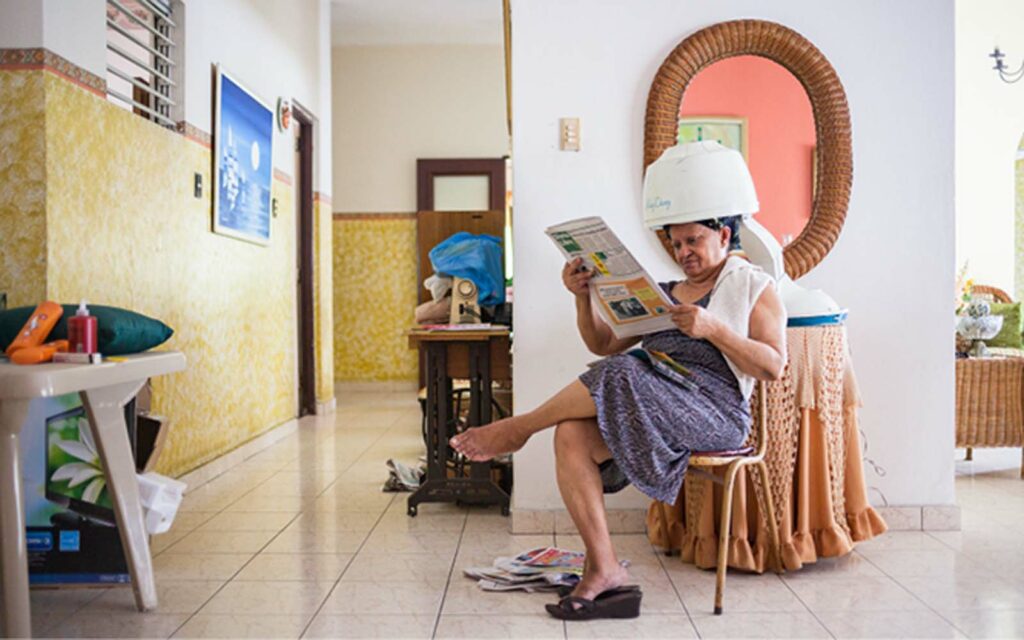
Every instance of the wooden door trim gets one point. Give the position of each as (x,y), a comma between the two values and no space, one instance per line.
(307,336)
(429,168)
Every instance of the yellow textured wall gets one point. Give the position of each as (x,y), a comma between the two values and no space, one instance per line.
(22,187)
(124,229)
(323,299)
(374,298)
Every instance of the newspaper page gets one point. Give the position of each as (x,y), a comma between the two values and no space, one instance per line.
(626,296)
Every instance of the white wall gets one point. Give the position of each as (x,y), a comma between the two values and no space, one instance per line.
(989,126)
(276,49)
(892,266)
(73,29)
(273,48)
(394,104)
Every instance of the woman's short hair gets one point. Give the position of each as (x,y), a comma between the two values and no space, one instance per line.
(716,224)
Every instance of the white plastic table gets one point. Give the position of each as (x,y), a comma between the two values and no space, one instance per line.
(106,388)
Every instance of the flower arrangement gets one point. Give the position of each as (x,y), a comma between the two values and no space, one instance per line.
(964,289)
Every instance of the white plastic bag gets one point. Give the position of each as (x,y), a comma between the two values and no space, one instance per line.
(160,497)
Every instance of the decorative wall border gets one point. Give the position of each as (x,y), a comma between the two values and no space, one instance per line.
(45,60)
(282,176)
(195,134)
(348,217)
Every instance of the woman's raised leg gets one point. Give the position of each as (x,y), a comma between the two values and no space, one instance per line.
(510,434)
(578,450)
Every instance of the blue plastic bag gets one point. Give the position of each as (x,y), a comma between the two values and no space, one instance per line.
(475,258)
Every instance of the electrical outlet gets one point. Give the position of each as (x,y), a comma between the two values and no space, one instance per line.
(197,185)
(569,134)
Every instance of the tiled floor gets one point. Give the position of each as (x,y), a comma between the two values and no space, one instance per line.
(300,541)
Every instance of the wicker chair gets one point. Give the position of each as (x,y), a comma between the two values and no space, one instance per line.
(734,461)
(990,397)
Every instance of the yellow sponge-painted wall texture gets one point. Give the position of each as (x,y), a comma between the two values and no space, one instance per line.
(124,229)
(374,297)
(323,296)
(22,187)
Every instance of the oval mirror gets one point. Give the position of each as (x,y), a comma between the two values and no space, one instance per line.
(757,107)
(800,154)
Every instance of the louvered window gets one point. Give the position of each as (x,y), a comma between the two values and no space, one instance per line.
(144,59)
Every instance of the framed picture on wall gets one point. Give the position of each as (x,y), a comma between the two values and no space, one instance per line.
(243,138)
(731,132)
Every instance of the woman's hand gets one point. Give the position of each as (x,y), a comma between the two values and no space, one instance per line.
(576,278)
(693,320)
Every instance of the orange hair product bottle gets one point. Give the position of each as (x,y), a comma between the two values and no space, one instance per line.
(38,326)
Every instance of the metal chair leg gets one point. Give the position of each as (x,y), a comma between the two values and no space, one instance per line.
(773,525)
(723,535)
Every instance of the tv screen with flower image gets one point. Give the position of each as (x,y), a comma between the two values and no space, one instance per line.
(74,475)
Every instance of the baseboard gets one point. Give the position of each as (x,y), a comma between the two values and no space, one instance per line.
(940,517)
(326,408)
(375,385)
(203,474)
(902,518)
(558,521)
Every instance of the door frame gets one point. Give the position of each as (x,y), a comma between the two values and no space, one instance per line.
(429,168)
(305,124)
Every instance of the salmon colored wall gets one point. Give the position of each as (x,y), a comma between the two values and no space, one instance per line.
(780,132)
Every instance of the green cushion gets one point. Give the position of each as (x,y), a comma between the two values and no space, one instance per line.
(1009,336)
(120,331)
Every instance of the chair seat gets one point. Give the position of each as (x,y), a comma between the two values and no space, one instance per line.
(718,458)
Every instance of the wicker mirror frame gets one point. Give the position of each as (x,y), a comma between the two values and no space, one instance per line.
(828,101)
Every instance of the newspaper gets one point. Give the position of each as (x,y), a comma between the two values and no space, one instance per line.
(541,569)
(625,295)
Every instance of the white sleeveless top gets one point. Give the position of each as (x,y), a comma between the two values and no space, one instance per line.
(733,297)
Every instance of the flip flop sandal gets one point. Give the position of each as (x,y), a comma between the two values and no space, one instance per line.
(619,604)
(567,590)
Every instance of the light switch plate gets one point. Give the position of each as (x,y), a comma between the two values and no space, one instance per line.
(569,134)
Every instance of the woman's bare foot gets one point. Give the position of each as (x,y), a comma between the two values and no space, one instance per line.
(483,443)
(595,582)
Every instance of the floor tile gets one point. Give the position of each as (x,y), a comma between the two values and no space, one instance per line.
(423,568)
(53,600)
(382,541)
(173,597)
(758,625)
(359,521)
(747,596)
(888,624)
(247,521)
(219,566)
(268,598)
(295,567)
(357,626)
(539,626)
(384,597)
(965,592)
(854,594)
(989,624)
(909,563)
(646,626)
(465,598)
(210,625)
(127,625)
(200,542)
(316,541)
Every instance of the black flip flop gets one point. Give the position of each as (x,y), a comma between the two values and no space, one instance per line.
(610,604)
(566,590)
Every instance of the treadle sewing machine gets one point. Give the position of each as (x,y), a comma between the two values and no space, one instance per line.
(481,356)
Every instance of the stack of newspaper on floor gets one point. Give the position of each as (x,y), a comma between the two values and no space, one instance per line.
(543,569)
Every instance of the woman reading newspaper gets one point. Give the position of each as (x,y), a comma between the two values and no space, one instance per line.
(629,420)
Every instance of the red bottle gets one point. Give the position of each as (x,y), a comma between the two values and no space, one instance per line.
(82,330)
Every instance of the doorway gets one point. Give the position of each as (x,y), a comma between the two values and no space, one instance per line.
(306,353)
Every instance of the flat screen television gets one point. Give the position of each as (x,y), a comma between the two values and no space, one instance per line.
(74,477)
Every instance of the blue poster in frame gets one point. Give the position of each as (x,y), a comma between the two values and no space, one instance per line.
(243,162)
